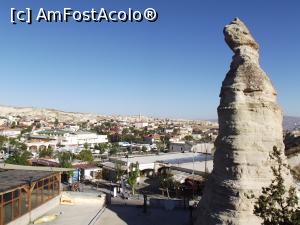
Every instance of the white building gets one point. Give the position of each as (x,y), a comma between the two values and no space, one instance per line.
(140,125)
(190,147)
(35,145)
(185,131)
(124,144)
(154,162)
(81,137)
(197,136)
(68,138)
(168,130)
(73,127)
(180,147)
(26,123)
(203,148)
(72,149)
(4,121)
(7,132)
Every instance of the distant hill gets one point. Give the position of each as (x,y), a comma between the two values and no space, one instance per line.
(291,122)
(63,116)
(45,113)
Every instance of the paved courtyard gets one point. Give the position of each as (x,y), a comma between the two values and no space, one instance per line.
(85,211)
(133,215)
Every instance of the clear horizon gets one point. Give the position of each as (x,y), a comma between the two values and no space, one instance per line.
(172,68)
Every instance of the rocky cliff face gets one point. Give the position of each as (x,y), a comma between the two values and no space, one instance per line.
(250,126)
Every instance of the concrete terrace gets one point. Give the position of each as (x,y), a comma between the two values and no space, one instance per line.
(133,215)
(86,210)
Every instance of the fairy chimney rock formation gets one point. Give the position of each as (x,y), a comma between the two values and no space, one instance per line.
(250,125)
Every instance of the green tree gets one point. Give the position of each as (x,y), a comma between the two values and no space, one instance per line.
(144,149)
(133,175)
(166,182)
(206,139)
(160,146)
(56,122)
(86,146)
(86,155)
(15,144)
(3,141)
(19,154)
(165,140)
(125,131)
(84,125)
(48,152)
(176,131)
(19,158)
(65,159)
(114,149)
(13,125)
(188,138)
(102,147)
(26,130)
(119,172)
(277,205)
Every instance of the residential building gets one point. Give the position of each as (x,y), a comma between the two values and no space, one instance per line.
(7,132)
(180,147)
(68,138)
(82,137)
(203,148)
(140,125)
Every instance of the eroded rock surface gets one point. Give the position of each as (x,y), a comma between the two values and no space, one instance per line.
(250,126)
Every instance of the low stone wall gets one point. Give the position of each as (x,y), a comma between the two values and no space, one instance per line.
(82,198)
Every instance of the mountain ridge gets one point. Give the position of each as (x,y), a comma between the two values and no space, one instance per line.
(289,122)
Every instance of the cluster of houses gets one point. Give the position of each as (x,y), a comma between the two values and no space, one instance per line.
(72,137)
(46,132)
(188,157)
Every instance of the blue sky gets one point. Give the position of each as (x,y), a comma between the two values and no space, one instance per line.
(171,68)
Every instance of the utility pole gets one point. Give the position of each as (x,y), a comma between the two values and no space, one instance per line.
(193,172)
(145,203)
(206,170)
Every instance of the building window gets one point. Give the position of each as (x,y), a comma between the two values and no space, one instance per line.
(24,202)
(10,206)
(7,213)
(34,196)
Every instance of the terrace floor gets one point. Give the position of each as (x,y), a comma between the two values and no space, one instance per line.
(85,211)
(133,215)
